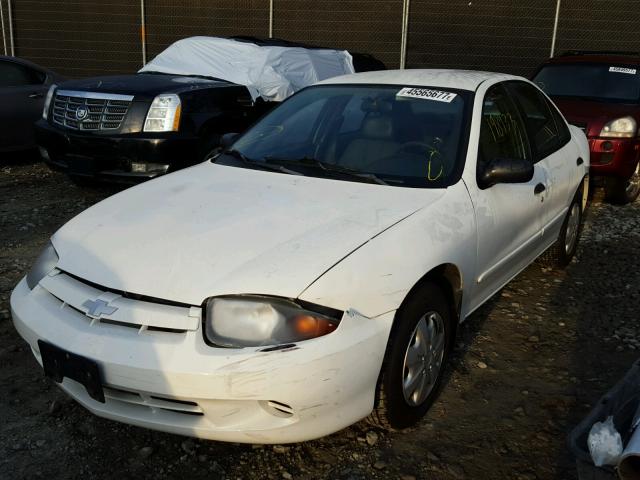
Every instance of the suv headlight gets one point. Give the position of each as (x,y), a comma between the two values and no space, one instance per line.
(46,261)
(47,101)
(253,321)
(624,127)
(164,114)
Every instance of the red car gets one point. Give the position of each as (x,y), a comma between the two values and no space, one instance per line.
(600,93)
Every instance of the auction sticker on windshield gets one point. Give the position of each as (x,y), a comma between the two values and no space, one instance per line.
(631,71)
(425,93)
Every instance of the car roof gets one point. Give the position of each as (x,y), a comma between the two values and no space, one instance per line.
(625,58)
(439,78)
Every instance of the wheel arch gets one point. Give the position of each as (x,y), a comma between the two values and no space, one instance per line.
(449,278)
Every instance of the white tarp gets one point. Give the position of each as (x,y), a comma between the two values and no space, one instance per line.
(273,73)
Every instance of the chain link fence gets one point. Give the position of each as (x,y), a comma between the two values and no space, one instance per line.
(599,25)
(494,35)
(91,37)
(79,37)
(372,26)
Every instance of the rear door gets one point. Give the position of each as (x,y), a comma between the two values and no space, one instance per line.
(553,152)
(22,92)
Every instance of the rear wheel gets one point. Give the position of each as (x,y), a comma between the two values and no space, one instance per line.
(563,250)
(415,360)
(622,191)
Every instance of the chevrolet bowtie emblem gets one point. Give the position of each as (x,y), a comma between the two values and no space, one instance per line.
(96,308)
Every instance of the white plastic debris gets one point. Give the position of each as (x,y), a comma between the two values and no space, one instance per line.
(605,443)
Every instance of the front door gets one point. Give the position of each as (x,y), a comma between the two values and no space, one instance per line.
(509,216)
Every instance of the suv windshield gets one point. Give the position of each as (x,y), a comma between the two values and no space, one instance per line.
(618,83)
(390,135)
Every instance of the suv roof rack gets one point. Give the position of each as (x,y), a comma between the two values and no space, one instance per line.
(569,53)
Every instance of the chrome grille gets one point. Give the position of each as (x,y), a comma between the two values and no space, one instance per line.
(99,111)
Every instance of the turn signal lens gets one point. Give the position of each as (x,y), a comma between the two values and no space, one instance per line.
(308,326)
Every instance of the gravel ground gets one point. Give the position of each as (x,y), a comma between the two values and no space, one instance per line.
(526,369)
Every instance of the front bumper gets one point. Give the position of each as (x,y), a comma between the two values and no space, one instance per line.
(111,156)
(174,382)
(614,157)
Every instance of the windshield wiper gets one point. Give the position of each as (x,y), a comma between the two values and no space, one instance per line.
(328,167)
(253,163)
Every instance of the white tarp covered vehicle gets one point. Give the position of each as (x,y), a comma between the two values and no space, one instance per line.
(271,72)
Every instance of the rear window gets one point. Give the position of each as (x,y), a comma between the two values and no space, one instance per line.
(610,82)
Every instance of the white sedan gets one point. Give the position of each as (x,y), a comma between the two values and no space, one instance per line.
(315,272)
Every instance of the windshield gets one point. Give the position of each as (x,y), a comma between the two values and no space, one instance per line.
(384,134)
(618,83)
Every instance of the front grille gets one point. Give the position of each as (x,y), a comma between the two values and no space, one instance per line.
(138,316)
(89,111)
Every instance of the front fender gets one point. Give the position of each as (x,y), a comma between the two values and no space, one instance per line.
(377,277)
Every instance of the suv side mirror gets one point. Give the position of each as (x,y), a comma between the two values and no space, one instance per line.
(505,170)
(227,140)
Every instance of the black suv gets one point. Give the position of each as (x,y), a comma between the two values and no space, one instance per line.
(130,128)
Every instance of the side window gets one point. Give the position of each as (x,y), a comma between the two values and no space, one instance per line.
(502,132)
(15,75)
(546,128)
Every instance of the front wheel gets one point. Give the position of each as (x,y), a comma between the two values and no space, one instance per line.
(622,191)
(415,360)
(209,147)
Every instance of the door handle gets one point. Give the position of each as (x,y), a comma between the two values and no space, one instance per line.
(36,95)
(539,189)
(579,162)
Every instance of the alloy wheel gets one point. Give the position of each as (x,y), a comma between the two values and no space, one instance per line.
(423,359)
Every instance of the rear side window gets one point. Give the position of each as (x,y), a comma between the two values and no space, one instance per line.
(546,128)
(502,131)
(16,75)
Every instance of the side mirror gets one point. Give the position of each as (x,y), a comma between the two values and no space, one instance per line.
(227,140)
(505,170)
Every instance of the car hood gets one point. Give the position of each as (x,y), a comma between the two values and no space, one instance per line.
(142,85)
(594,114)
(213,230)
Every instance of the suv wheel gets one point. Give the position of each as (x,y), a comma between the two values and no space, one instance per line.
(622,191)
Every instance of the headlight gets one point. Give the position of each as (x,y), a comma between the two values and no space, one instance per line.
(47,101)
(46,261)
(164,114)
(253,321)
(624,127)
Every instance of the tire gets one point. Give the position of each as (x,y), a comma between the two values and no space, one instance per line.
(564,249)
(209,146)
(396,407)
(622,191)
